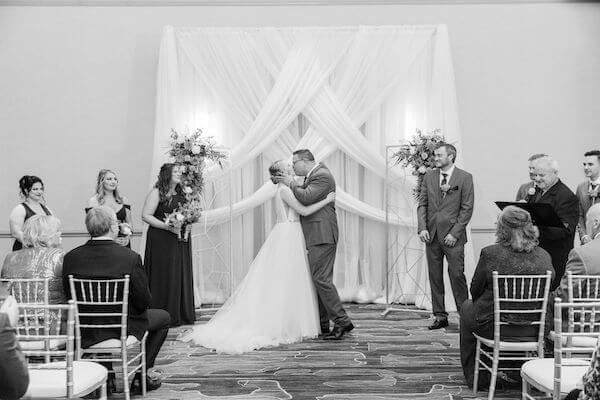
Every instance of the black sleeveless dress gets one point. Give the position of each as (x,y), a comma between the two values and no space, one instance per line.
(28,214)
(168,264)
(121,218)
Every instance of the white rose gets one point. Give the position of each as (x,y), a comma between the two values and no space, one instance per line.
(196,149)
(413,151)
(424,155)
(188,190)
(125,230)
(179,217)
(422,169)
(180,139)
(531,191)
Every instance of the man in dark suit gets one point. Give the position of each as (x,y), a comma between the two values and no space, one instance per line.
(445,208)
(102,258)
(588,191)
(528,188)
(321,234)
(557,241)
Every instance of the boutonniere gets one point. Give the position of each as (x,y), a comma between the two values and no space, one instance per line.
(447,189)
(531,191)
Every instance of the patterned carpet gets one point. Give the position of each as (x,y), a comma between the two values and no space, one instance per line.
(392,358)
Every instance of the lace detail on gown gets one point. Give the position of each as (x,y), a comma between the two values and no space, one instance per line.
(276,301)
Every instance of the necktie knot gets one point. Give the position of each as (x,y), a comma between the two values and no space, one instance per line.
(444,178)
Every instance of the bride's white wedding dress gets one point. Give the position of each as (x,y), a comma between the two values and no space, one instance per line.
(275,303)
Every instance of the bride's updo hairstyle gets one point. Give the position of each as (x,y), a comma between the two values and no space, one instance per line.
(26,183)
(275,170)
(515,230)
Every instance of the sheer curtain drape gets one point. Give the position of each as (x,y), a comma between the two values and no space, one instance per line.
(343,92)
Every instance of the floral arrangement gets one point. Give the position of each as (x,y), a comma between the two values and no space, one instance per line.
(191,152)
(418,154)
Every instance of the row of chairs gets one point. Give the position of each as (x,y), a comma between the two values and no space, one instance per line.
(525,298)
(50,337)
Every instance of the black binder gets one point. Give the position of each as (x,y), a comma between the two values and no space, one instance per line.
(542,214)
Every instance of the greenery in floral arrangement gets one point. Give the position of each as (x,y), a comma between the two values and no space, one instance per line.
(418,155)
(191,152)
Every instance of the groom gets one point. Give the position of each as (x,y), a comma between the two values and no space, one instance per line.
(321,234)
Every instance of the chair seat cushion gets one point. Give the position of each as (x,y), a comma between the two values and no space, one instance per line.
(47,382)
(39,344)
(509,346)
(541,372)
(115,343)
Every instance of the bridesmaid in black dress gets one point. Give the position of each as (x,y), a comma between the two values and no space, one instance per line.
(167,259)
(107,194)
(32,190)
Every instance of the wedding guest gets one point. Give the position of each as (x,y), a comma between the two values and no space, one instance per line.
(102,258)
(107,194)
(445,208)
(14,374)
(167,258)
(528,188)
(583,260)
(41,257)
(32,191)
(587,191)
(557,241)
(516,252)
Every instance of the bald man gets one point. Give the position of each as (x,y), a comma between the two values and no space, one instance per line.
(584,260)
(558,241)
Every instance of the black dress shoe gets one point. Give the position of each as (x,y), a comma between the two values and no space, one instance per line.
(324,333)
(439,324)
(151,384)
(338,331)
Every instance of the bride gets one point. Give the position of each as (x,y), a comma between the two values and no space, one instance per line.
(276,302)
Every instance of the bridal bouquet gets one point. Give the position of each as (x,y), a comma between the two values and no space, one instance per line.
(418,154)
(191,152)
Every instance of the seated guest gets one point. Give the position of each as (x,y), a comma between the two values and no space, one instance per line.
(528,188)
(557,241)
(41,257)
(584,260)
(588,191)
(102,258)
(516,252)
(14,375)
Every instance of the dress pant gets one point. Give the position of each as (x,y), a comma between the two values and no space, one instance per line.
(158,327)
(435,252)
(321,259)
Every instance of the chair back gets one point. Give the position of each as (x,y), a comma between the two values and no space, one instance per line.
(28,290)
(521,300)
(583,288)
(38,337)
(101,304)
(584,322)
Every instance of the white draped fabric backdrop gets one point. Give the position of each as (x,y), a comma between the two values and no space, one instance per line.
(343,92)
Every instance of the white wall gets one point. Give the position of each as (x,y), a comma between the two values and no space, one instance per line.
(78,88)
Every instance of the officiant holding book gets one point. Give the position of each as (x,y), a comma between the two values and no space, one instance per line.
(445,208)
(557,241)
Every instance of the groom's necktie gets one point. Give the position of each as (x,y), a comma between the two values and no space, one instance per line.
(444,181)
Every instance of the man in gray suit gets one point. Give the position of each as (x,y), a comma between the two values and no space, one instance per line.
(584,260)
(529,189)
(321,234)
(445,208)
(588,192)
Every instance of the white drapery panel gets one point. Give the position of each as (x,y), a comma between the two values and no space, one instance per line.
(343,92)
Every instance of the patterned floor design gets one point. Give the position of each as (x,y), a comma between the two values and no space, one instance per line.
(392,358)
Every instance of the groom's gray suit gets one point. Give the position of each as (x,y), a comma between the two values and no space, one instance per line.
(321,235)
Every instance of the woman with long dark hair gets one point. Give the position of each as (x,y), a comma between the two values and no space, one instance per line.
(107,194)
(167,259)
(31,189)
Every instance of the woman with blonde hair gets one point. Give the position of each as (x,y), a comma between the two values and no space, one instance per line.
(107,194)
(41,257)
(516,252)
